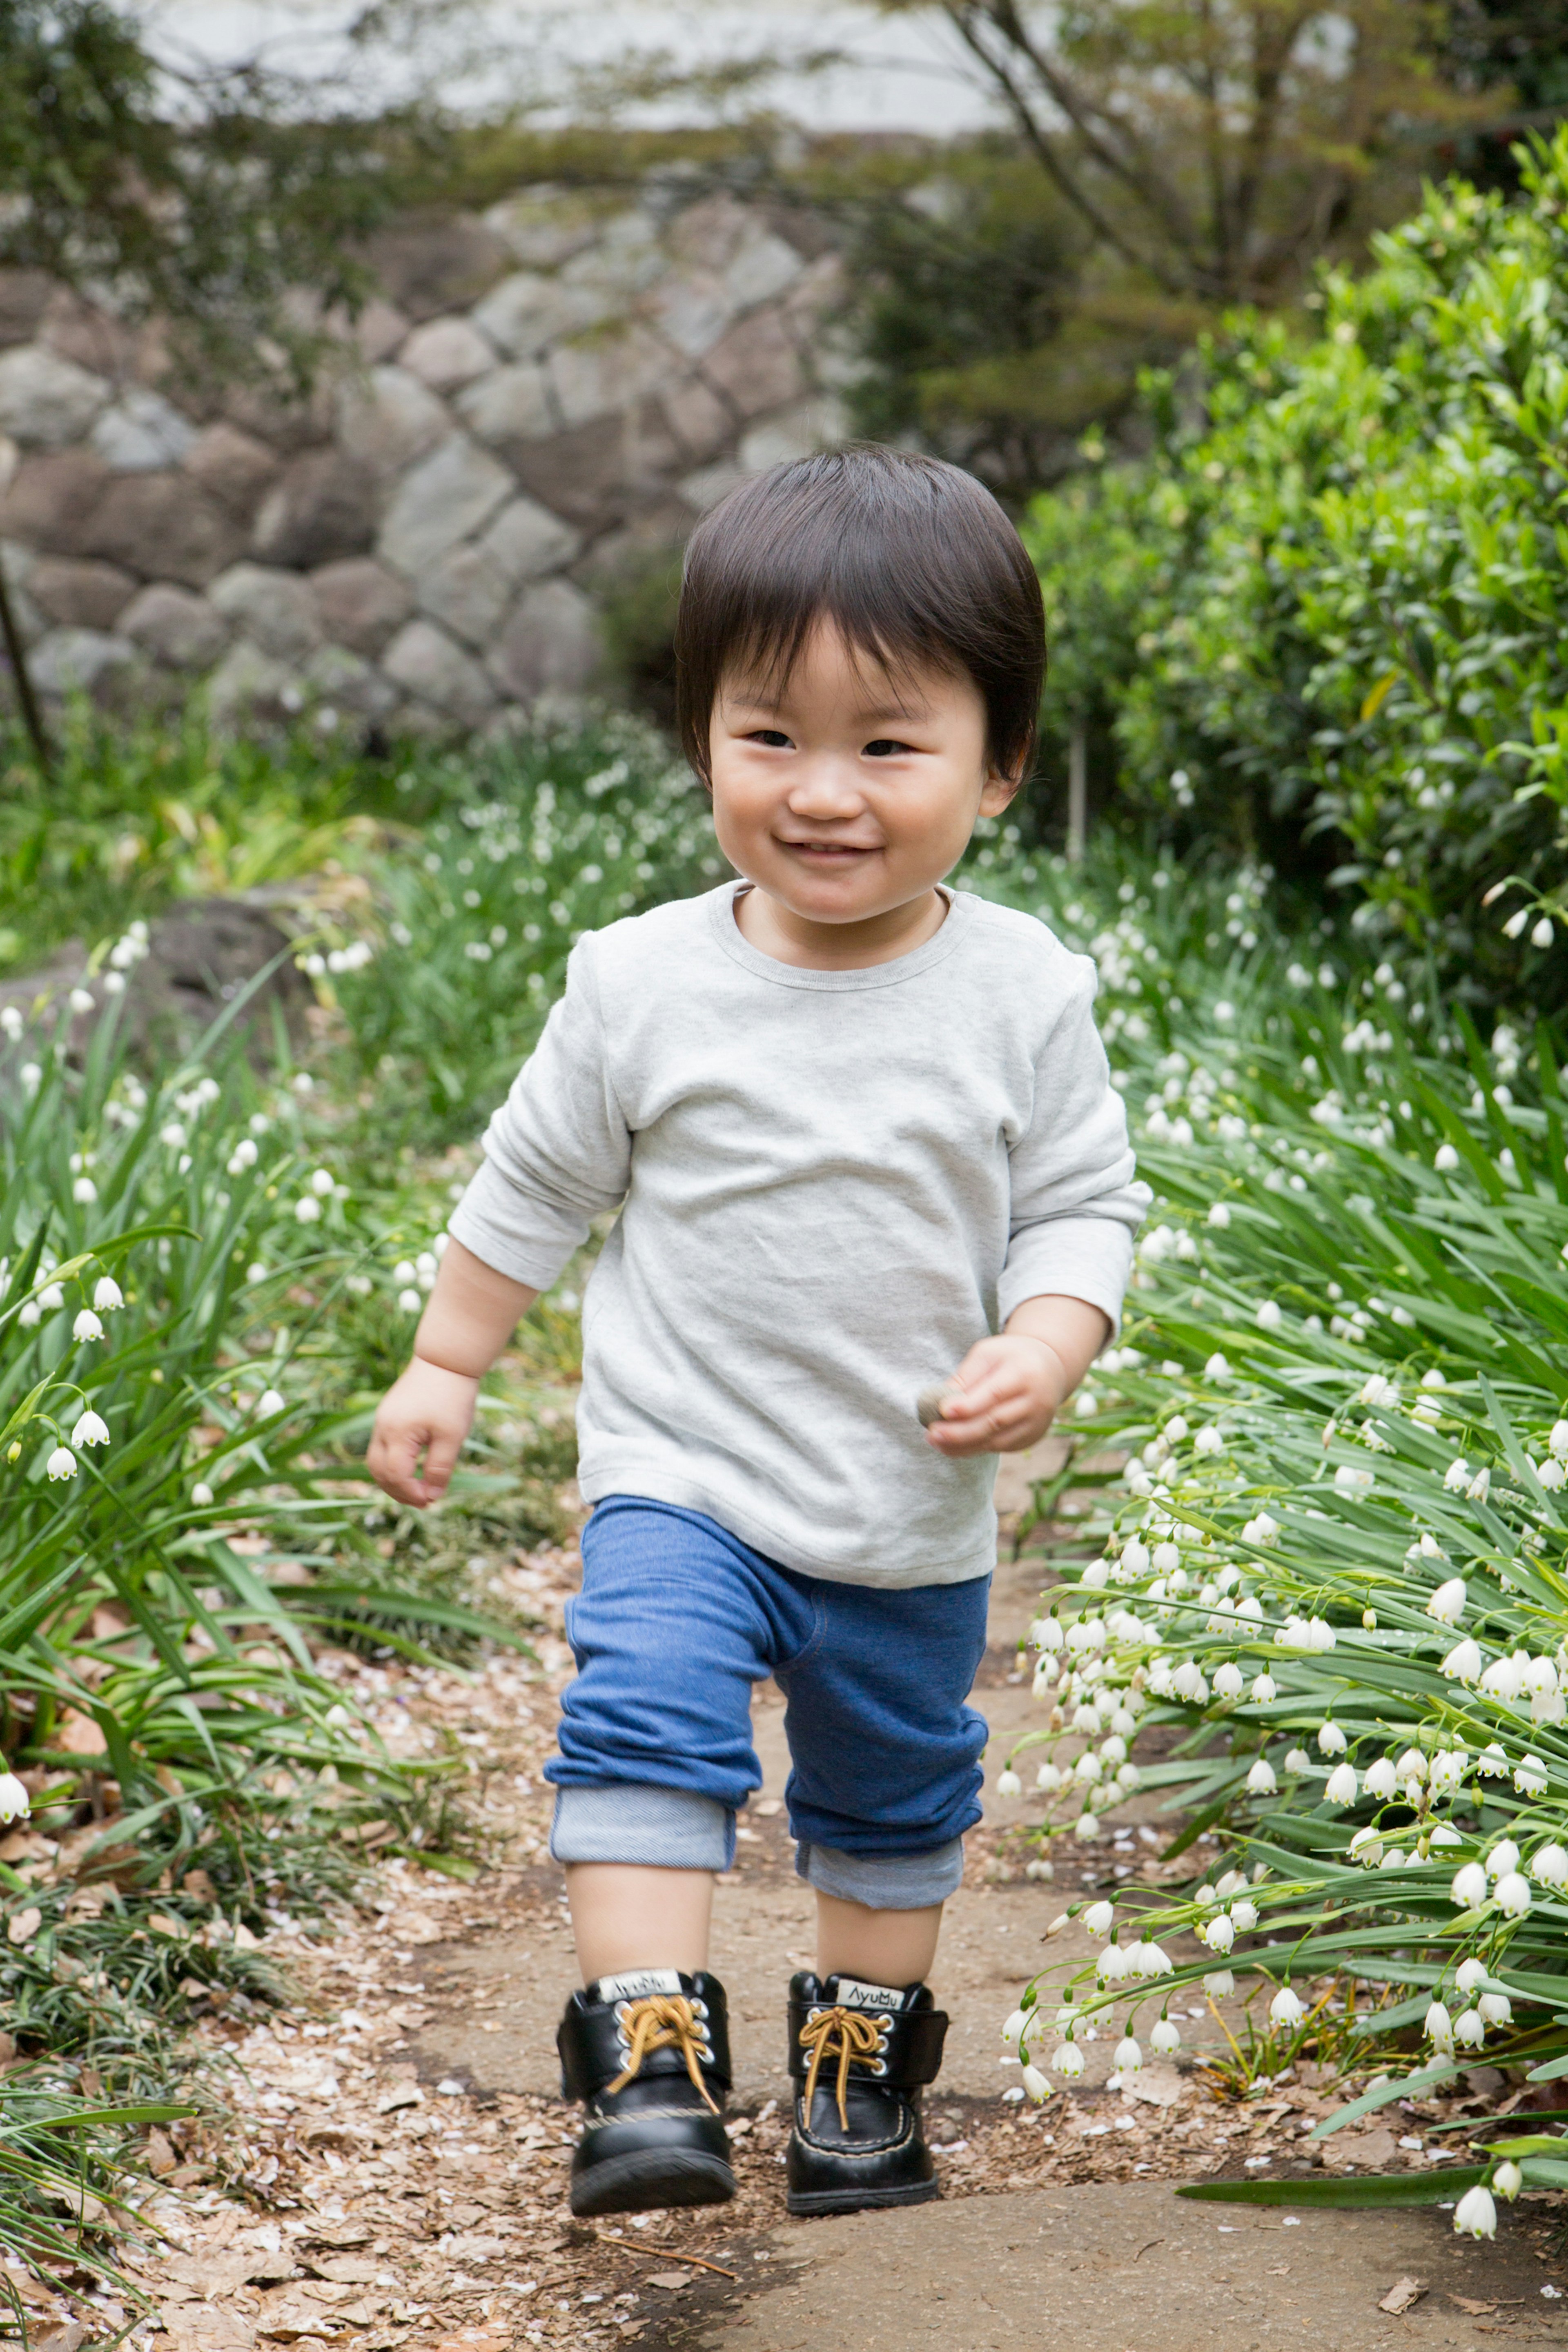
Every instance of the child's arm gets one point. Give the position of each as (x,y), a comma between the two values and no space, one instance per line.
(1007,1391)
(470,1314)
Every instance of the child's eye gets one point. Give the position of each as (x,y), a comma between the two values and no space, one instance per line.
(771,735)
(884,748)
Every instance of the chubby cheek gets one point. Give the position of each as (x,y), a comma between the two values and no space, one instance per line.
(742,813)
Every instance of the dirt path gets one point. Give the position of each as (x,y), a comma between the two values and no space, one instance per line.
(394,2173)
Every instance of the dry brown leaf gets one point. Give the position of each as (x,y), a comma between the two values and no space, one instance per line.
(161,2157)
(1401,2296)
(77,1734)
(1469,2303)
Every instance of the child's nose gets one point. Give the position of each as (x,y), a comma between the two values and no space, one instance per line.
(825,786)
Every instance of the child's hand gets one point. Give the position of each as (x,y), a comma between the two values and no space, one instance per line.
(428,1411)
(1001,1399)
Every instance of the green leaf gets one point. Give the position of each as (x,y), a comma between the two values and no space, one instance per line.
(1403,2086)
(1377,2189)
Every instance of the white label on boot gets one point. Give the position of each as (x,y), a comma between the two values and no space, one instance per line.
(852,1994)
(639,1984)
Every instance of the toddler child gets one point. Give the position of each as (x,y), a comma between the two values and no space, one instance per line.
(858,1134)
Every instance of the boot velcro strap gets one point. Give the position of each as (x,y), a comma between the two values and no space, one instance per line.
(909,2051)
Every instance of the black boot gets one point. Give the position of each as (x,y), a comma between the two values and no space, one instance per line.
(859,2053)
(649,2053)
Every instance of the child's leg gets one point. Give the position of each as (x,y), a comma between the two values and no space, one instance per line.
(886,1780)
(886,1947)
(670,1629)
(626,1916)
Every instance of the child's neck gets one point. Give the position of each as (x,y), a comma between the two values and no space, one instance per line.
(774,930)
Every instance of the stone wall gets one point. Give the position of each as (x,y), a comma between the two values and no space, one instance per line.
(537,401)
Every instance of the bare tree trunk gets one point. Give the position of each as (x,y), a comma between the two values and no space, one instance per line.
(1078,791)
(17,654)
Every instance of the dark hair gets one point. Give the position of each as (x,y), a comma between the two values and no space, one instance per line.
(912,559)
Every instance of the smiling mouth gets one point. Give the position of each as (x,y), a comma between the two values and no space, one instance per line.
(830,850)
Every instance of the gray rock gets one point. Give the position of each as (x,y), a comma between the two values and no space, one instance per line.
(362,606)
(276,610)
(174,627)
(46,399)
(343,681)
(378,330)
(322,509)
(691,309)
(389,420)
(708,233)
(233,467)
(447,353)
(526,313)
(164,524)
(428,265)
(469,592)
(580,474)
(700,420)
(200,959)
(77,661)
(425,662)
(552,641)
(756,365)
(761,267)
(544,226)
(445,498)
(625,259)
(605,372)
(52,500)
(249,684)
(25,295)
(527,539)
(75,594)
(510,404)
(142,432)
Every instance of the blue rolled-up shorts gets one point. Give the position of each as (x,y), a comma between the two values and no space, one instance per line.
(676,1619)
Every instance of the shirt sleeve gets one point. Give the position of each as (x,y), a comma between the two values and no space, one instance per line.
(1077,1203)
(557,1153)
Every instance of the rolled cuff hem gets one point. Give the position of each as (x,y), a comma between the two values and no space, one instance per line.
(883,1881)
(664,1828)
(486,1221)
(1082,1257)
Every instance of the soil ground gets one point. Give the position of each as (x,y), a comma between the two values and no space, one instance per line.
(392,2178)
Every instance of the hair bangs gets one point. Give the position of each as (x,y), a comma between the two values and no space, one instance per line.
(909,560)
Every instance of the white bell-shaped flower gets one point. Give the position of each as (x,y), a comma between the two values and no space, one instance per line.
(1475,2215)
(1470,1886)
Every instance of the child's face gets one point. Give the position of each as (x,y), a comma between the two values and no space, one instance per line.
(846,793)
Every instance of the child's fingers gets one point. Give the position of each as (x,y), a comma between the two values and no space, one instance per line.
(440,1460)
(393,1460)
(1002,1433)
(990,1391)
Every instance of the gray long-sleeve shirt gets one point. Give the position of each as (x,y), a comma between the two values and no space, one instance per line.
(830,1185)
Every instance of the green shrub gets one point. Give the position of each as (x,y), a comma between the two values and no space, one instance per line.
(1338,606)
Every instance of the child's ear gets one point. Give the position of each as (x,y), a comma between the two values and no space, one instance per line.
(997,792)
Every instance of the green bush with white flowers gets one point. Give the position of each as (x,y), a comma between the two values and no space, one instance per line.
(1337,1558)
